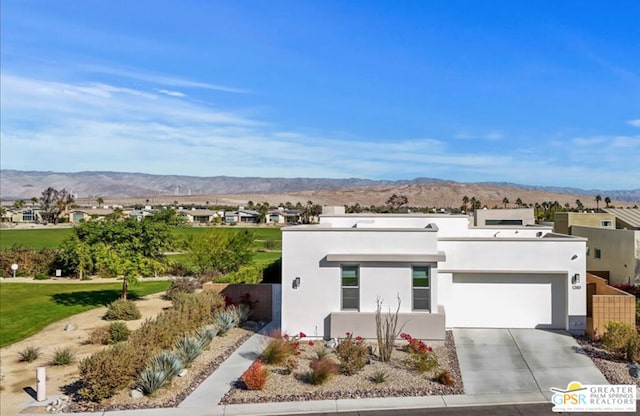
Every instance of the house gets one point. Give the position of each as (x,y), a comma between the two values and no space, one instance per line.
(563,221)
(613,247)
(503,217)
(139,214)
(200,216)
(243,216)
(284,216)
(445,273)
(77,215)
(26,215)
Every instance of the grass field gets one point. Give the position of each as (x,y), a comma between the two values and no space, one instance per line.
(52,237)
(26,308)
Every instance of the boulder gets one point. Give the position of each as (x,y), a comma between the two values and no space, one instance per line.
(70,326)
(136,394)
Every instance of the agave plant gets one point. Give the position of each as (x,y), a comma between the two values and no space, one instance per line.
(205,335)
(188,349)
(243,311)
(160,371)
(225,320)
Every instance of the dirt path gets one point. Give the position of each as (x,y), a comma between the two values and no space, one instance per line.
(18,376)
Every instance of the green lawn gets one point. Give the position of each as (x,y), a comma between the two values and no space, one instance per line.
(52,237)
(39,238)
(26,308)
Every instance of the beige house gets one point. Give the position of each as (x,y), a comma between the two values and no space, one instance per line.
(628,219)
(518,217)
(563,221)
(612,254)
(77,215)
(200,216)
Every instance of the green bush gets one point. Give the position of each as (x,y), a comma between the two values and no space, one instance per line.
(41,276)
(378,377)
(622,340)
(118,332)
(122,310)
(32,262)
(29,354)
(353,354)
(637,311)
(249,274)
(109,370)
(63,356)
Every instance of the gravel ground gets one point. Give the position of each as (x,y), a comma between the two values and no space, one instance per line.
(616,371)
(221,348)
(400,381)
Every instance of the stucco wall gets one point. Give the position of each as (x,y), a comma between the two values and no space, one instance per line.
(564,221)
(620,253)
(524,214)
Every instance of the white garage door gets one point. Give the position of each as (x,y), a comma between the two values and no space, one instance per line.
(507,301)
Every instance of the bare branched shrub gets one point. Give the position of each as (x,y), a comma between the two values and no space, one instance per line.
(386,330)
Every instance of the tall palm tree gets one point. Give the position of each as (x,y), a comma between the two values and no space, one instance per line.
(598,199)
(607,201)
(465,203)
(505,201)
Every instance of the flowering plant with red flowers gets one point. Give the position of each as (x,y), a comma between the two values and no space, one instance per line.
(421,357)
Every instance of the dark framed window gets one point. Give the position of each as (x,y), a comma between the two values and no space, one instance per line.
(421,287)
(597,253)
(350,285)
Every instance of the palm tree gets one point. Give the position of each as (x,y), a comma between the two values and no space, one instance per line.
(263,210)
(598,199)
(100,201)
(19,204)
(519,203)
(607,201)
(34,201)
(465,202)
(505,201)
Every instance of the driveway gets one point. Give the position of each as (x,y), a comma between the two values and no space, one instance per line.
(521,361)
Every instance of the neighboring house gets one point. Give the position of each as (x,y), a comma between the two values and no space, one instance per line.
(77,215)
(200,216)
(612,254)
(243,216)
(446,274)
(515,217)
(284,216)
(139,214)
(628,219)
(26,215)
(563,221)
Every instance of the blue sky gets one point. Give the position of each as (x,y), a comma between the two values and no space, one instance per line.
(541,93)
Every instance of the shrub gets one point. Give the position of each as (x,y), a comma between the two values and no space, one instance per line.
(322,351)
(445,378)
(225,320)
(637,311)
(255,377)
(352,353)
(290,364)
(181,285)
(100,335)
(378,377)
(63,356)
(107,371)
(41,276)
(205,335)
(622,340)
(188,349)
(322,370)
(118,332)
(278,351)
(160,371)
(29,354)
(386,330)
(421,357)
(122,310)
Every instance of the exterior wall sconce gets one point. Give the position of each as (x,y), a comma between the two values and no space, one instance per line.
(296,283)
(575,256)
(575,279)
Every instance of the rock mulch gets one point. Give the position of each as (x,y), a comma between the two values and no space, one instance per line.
(615,370)
(400,381)
(221,348)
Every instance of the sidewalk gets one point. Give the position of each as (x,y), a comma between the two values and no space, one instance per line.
(205,398)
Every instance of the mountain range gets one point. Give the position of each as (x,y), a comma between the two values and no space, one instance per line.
(16,184)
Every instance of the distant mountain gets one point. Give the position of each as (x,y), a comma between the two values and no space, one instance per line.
(27,184)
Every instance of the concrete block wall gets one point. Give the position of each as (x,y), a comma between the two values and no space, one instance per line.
(262,293)
(607,304)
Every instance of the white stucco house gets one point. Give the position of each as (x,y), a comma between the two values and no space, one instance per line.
(446,274)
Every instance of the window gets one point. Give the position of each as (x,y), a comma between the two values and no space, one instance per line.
(502,222)
(28,215)
(421,286)
(597,253)
(606,223)
(350,288)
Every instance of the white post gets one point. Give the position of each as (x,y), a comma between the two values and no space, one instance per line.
(41,378)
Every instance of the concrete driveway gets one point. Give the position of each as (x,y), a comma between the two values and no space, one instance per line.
(521,361)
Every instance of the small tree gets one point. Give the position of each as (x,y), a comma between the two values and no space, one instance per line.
(607,201)
(100,201)
(386,330)
(505,201)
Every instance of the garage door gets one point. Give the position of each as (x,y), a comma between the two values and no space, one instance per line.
(507,301)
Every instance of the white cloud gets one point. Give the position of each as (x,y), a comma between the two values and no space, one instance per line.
(66,126)
(492,135)
(634,123)
(171,93)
